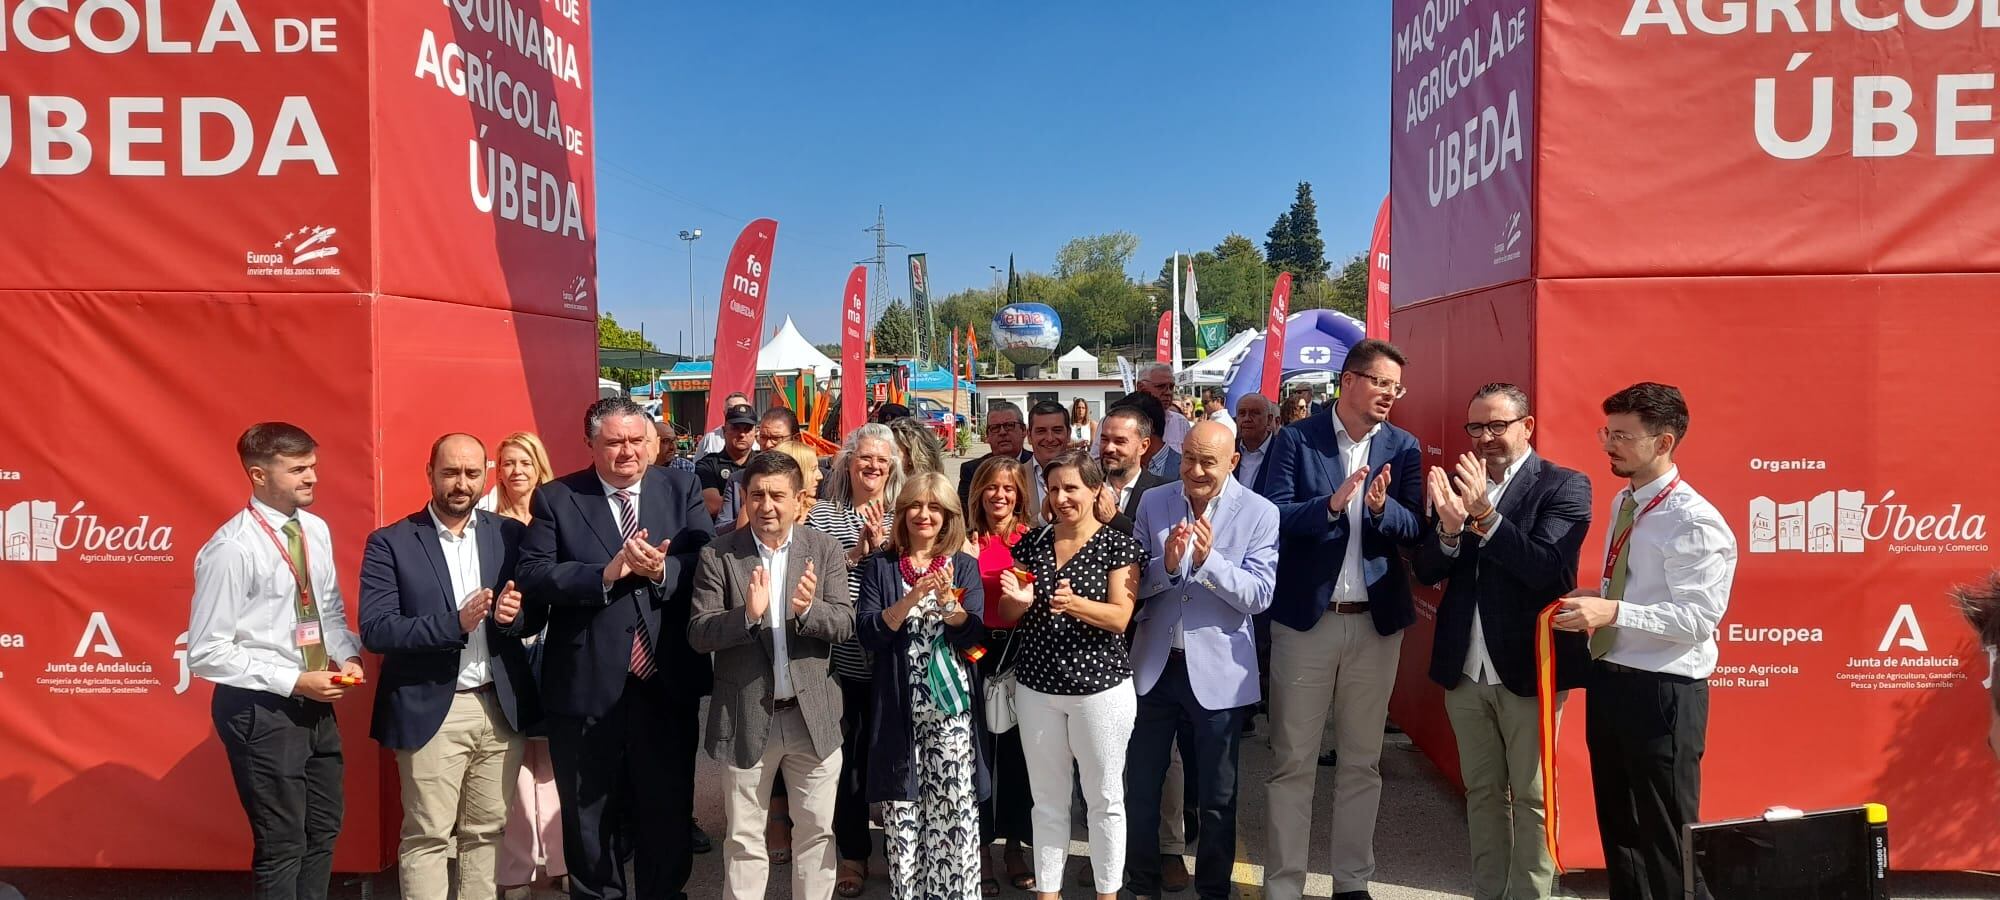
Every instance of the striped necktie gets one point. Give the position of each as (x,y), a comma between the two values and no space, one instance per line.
(642,640)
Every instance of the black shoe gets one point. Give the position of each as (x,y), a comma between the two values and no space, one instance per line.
(1327,759)
(698,841)
(1352,895)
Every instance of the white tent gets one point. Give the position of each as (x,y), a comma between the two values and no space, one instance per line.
(1077,363)
(788,350)
(1221,364)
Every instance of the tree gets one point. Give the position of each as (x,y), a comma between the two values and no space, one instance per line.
(1293,244)
(611,334)
(1347,293)
(896,331)
(1096,253)
(831,350)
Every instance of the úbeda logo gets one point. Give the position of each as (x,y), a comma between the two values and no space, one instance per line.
(1842,521)
(305,250)
(31,531)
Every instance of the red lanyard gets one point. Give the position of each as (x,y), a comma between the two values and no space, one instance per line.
(1618,541)
(305,588)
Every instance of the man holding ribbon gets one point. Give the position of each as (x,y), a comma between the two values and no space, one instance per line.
(267,624)
(1509,526)
(1667,573)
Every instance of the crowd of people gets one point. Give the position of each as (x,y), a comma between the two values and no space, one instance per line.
(1095,610)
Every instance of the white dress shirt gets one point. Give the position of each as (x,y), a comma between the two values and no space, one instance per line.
(461,560)
(774,561)
(710,443)
(1253,462)
(1223,416)
(1682,560)
(1352,585)
(242,628)
(1478,661)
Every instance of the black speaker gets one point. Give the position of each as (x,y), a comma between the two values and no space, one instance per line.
(1785,854)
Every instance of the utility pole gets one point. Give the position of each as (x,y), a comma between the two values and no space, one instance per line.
(880,299)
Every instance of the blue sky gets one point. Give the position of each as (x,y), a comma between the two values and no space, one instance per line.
(984,129)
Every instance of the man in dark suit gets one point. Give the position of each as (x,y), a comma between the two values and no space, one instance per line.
(770,601)
(1006,431)
(1256,424)
(1508,530)
(438,602)
(1127,434)
(1349,492)
(611,554)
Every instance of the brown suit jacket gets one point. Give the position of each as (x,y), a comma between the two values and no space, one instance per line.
(739,712)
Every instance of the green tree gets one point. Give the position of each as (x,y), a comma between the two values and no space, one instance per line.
(896,331)
(831,350)
(1096,253)
(611,334)
(1347,293)
(1293,244)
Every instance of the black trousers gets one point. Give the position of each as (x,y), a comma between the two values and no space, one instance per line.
(626,781)
(1210,741)
(851,838)
(1646,732)
(1006,813)
(284,754)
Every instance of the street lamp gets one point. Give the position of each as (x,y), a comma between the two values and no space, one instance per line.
(694,339)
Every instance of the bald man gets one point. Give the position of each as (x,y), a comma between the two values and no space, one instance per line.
(438,601)
(1212,549)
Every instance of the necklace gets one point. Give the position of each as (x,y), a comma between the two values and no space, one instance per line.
(910,573)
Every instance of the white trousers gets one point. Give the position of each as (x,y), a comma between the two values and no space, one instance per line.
(1092,732)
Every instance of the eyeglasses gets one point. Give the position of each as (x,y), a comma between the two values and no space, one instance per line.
(1393,387)
(1607,436)
(1492,429)
(1004,426)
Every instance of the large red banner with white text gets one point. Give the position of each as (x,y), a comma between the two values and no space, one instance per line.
(192,245)
(739,317)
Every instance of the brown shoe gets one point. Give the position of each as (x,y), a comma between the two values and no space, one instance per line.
(1174,877)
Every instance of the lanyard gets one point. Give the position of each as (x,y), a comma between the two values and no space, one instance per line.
(1618,542)
(305,586)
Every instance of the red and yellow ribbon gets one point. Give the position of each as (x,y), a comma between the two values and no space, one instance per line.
(1545,698)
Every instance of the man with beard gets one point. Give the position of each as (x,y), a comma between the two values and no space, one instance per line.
(1669,565)
(456,690)
(1212,550)
(1505,543)
(1349,490)
(266,624)
(1256,421)
(1127,436)
(611,553)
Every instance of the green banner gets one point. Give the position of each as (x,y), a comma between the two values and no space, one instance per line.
(1212,333)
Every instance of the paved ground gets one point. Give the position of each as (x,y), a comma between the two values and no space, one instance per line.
(1420,848)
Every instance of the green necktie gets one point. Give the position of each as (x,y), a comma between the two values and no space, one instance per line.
(1600,640)
(308,605)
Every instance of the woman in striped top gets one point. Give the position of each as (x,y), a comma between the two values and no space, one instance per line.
(866,476)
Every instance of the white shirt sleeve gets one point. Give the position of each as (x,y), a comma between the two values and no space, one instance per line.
(1700,565)
(224,577)
(342,644)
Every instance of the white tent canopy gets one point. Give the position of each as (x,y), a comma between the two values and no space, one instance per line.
(1079,359)
(1221,364)
(789,350)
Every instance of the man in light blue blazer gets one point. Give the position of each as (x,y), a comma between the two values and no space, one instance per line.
(1213,559)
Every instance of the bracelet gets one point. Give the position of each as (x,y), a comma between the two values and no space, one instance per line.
(1450,535)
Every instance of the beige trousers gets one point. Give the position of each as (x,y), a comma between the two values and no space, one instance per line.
(809,785)
(457,787)
(1499,755)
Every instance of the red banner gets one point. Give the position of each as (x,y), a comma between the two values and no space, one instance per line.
(1274,336)
(853,352)
(739,318)
(1378,276)
(1163,344)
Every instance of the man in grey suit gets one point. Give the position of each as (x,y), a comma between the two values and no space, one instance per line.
(762,607)
(1212,549)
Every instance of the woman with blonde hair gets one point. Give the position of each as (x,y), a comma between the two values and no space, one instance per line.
(920,608)
(531,850)
(808,460)
(1000,516)
(919,446)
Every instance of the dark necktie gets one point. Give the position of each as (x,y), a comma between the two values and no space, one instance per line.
(642,641)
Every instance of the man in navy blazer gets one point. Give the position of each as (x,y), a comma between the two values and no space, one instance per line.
(611,555)
(1212,548)
(1508,530)
(438,602)
(1349,490)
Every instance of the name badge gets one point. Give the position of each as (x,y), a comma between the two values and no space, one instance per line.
(1604,588)
(308,634)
